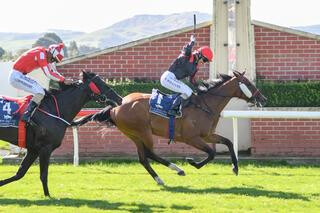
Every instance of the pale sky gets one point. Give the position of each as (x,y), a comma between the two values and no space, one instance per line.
(90,15)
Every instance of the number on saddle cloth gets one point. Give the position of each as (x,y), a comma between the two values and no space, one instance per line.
(9,116)
(160,103)
(11,110)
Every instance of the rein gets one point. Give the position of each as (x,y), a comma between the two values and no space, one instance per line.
(58,112)
(206,109)
(92,87)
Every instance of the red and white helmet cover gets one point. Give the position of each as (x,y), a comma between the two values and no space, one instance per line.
(57,51)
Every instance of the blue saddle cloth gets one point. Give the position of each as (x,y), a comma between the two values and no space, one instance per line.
(160,103)
(9,116)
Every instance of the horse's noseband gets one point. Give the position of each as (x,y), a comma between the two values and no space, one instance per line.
(96,92)
(254,94)
(102,98)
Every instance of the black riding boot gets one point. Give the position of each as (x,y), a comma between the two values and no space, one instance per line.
(175,108)
(29,111)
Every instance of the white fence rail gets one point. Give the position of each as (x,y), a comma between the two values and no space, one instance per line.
(264,114)
(234,114)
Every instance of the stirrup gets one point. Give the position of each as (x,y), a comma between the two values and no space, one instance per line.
(175,113)
(170,141)
(26,118)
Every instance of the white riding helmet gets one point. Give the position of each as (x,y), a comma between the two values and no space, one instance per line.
(57,51)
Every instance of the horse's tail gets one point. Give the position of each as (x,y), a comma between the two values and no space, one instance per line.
(103,116)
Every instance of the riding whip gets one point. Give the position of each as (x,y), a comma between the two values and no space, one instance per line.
(194,23)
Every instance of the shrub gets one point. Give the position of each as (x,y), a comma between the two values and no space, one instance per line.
(291,94)
(287,94)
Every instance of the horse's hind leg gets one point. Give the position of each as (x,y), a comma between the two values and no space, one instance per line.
(24,166)
(141,142)
(214,138)
(200,144)
(153,156)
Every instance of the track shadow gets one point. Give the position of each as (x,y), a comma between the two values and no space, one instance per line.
(96,204)
(246,191)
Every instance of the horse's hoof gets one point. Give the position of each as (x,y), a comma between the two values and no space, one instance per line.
(159,181)
(235,171)
(181,173)
(190,160)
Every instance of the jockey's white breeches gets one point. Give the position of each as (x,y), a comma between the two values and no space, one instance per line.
(169,81)
(20,81)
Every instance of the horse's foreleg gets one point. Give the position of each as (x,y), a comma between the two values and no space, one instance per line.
(24,166)
(214,138)
(153,156)
(200,144)
(44,158)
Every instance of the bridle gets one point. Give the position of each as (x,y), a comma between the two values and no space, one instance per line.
(243,87)
(96,92)
(102,98)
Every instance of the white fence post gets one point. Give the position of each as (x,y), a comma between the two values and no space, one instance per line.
(75,147)
(75,136)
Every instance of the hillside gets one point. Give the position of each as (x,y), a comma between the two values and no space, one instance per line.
(130,29)
(134,28)
(16,41)
(315,29)
(138,27)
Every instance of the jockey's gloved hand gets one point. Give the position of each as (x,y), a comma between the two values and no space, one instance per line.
(193,39)
(68,81)
(202,88)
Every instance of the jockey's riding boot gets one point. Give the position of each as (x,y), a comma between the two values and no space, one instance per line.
(29,111)
(175,108)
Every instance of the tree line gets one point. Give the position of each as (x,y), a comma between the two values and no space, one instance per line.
(71,50)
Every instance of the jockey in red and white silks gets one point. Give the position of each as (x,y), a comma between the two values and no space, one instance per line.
(186,65)
(38,57)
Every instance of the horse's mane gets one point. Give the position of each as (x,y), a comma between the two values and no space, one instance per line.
(61,87)
(58,87)
(221,78)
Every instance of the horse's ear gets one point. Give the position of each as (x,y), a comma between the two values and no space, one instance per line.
(244,72)
(236,73)
(84,75)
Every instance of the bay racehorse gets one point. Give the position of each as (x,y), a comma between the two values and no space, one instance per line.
(46,133)
(196,127)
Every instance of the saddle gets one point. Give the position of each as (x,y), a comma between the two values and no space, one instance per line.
(160,103)
(11,110)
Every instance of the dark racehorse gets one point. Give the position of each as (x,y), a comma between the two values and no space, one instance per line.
(44,137)
(196,128)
